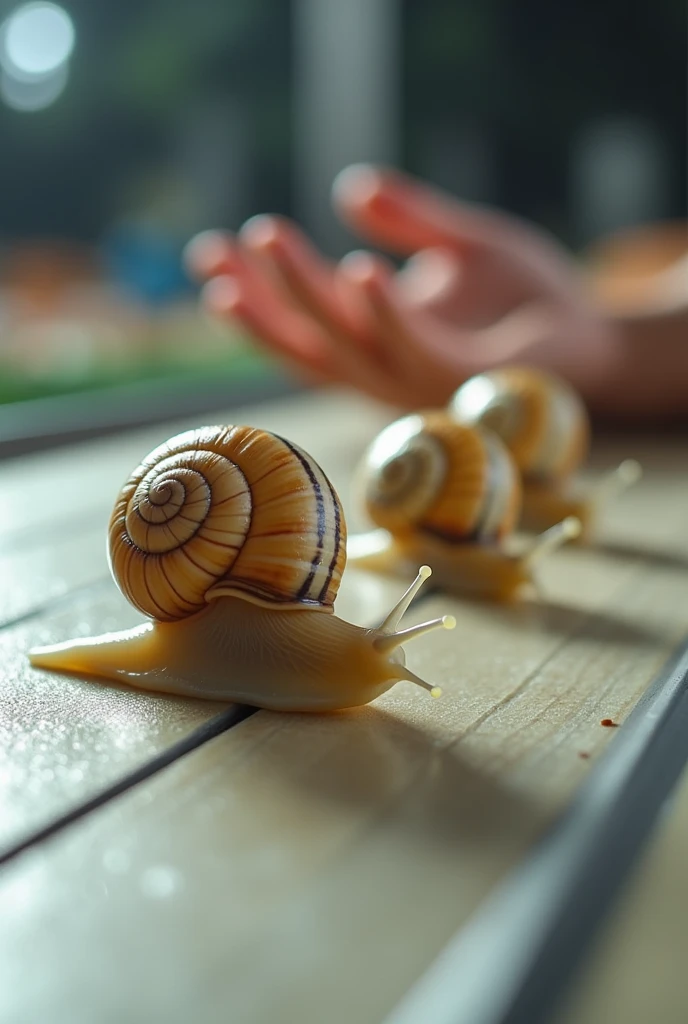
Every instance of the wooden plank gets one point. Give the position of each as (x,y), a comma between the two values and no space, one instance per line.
(39,491)
(64,741)
(35,578)
(635,971)
(313,852)
(54,507)
(514,957)
(37,790)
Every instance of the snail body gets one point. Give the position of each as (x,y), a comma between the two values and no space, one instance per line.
(233,542)
(449,494)
(544,424)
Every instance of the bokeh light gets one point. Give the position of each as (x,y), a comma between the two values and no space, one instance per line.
(36,42)
(36,39)
(34,92)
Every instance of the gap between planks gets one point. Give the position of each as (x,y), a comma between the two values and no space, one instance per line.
(347,867)
(577,622)
(228,719)
(237,714)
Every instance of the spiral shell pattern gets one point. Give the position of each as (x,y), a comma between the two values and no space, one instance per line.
(225,511)
(429,473)
(538,416)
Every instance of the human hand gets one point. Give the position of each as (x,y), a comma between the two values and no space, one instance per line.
(480,289)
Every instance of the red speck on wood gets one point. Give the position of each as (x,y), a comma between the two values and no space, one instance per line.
(608,723)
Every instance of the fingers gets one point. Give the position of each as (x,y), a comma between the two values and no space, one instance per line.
(403,214)
(308,279)
(278,328)
(209,254)
(432,359)
(319,292)
(239,290)
(427,359)
(434,280)
(501,254)
(250,296)
(411,357)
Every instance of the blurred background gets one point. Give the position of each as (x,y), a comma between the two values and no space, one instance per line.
(126,126)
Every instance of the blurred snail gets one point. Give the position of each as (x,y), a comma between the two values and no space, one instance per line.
(232,540)
(545,426)
(447,494)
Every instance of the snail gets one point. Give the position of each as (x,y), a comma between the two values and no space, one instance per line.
(545,426)
(450,495)
(233,542)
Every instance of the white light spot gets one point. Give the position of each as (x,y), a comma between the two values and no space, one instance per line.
(472,398)
(30,94)
(393,439)
(36,39)
(160,882)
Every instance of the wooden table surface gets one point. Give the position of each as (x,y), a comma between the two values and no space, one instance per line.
(163,862)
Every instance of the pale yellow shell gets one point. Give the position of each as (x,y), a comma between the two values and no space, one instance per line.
(538,416)
(429,473)
(227,510)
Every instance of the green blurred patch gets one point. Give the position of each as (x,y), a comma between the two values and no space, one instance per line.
(244,364)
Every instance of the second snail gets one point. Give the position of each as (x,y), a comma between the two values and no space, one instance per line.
(232,541)
(450,495)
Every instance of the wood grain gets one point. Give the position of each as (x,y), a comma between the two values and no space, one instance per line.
(63,740)
(298,863)
(39,492)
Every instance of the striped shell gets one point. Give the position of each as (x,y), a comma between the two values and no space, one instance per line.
(539,417)
(430,473)
(227,511)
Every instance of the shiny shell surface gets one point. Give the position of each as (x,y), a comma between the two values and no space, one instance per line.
(538,416)
(429,473)
(227,510)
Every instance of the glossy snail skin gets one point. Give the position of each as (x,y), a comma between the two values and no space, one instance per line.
(450,495)
(545,426)
(233,541)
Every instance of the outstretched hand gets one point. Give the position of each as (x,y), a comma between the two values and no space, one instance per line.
(479,289)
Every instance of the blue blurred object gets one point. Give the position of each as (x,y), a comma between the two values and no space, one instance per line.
(146,262)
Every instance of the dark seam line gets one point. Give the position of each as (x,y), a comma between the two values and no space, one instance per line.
(551,905)
(223,722)
(217,725)
(57,602)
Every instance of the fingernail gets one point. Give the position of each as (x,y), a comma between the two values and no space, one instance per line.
(222,294)
(360,265)
(259,231)
(204,252)
(357,183)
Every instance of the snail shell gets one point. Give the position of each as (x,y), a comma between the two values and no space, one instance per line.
(430,474)
(538,416)
(207,515)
